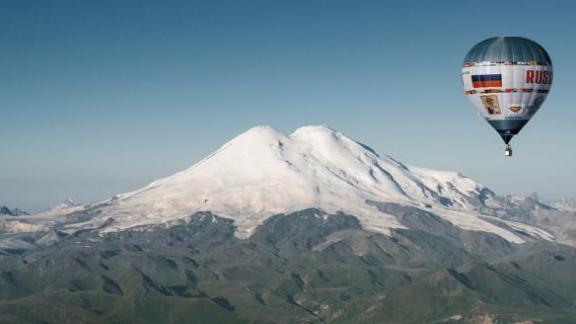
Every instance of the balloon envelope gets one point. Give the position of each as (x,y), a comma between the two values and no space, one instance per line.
(507,79)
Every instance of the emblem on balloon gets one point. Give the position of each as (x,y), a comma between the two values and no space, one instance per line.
(491,104)
(515,108)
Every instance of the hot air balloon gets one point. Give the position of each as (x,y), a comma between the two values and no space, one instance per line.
(507,79)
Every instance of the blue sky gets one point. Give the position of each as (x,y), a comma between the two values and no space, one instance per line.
(101,97)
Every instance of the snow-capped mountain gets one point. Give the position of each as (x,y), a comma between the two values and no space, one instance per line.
(68,206)
(11,212)
(264,172)
(41,221)
(566,204)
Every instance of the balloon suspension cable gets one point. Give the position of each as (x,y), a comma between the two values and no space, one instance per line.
(508,150)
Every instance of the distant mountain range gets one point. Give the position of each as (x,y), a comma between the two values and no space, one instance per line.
(11,212)
(307,227)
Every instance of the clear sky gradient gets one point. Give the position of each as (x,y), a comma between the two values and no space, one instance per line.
(101,97)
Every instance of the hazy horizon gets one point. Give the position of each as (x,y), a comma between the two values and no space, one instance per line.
(101,98)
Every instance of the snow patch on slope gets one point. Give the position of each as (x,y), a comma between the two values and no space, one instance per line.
(18,226)
(565,204)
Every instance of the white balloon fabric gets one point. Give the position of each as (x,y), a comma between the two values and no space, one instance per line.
(507,79)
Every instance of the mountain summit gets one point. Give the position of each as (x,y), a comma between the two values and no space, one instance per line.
(263,172)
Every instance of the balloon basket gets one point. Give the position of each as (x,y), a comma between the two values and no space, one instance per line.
(508,151)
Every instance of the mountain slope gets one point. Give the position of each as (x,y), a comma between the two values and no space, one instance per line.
(304,267)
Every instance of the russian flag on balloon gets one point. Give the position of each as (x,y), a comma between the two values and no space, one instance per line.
(486,80)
